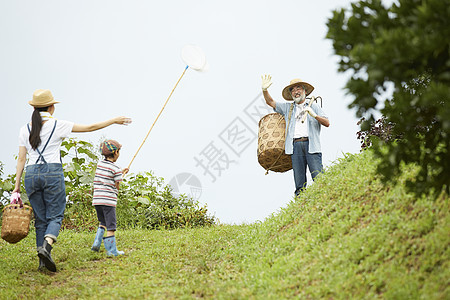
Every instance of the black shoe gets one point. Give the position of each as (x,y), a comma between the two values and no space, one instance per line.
(44,255)
(41,262)
(41,265)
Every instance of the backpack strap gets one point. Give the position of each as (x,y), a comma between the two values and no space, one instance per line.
(290,115)
(41,157)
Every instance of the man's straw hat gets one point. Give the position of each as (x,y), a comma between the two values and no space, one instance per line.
(287,90)
(42,98)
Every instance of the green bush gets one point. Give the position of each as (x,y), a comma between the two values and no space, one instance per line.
(144,200)
(80,215)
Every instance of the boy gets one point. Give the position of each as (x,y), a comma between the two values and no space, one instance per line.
(106,184)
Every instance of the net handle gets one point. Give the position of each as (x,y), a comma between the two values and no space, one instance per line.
(129,165)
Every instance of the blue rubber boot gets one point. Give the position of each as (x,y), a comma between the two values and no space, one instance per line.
(98,239)
(110,246)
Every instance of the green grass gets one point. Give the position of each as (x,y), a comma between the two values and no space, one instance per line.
(348,236)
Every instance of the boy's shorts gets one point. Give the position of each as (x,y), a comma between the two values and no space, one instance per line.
(106,215)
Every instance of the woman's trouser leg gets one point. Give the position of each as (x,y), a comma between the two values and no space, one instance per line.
(55,200)
(36,198)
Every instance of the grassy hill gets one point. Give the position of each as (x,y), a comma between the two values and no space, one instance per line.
(348,236)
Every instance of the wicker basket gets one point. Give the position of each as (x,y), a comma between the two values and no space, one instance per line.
(16,222)
(271,138)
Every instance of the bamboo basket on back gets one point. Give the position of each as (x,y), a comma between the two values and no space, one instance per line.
(271,139)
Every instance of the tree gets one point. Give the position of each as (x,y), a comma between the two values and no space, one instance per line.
(404,49)
(381,130)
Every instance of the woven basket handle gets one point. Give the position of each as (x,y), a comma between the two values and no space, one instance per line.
(15,199)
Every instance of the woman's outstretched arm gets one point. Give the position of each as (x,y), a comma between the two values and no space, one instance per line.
(100,125)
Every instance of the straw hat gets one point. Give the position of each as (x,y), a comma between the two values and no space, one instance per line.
(42,98)
(287,90)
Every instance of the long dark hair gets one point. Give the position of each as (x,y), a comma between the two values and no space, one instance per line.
(36,126)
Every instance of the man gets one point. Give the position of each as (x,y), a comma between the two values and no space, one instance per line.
(302,138)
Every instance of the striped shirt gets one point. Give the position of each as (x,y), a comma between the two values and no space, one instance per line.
(106,176)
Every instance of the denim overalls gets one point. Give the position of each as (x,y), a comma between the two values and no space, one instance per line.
(46,191)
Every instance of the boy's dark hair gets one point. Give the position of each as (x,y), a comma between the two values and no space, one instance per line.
(110,155)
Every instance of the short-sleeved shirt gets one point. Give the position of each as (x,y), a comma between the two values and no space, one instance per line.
(313,127)
(52,151)
(106,176)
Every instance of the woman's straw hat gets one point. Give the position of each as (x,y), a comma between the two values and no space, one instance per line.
(287,90)
(42,98)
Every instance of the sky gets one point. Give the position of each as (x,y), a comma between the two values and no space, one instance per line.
(103,59)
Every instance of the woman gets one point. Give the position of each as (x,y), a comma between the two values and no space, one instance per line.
(44,177)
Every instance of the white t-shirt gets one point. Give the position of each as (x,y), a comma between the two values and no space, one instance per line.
(301,129)
(52,151)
